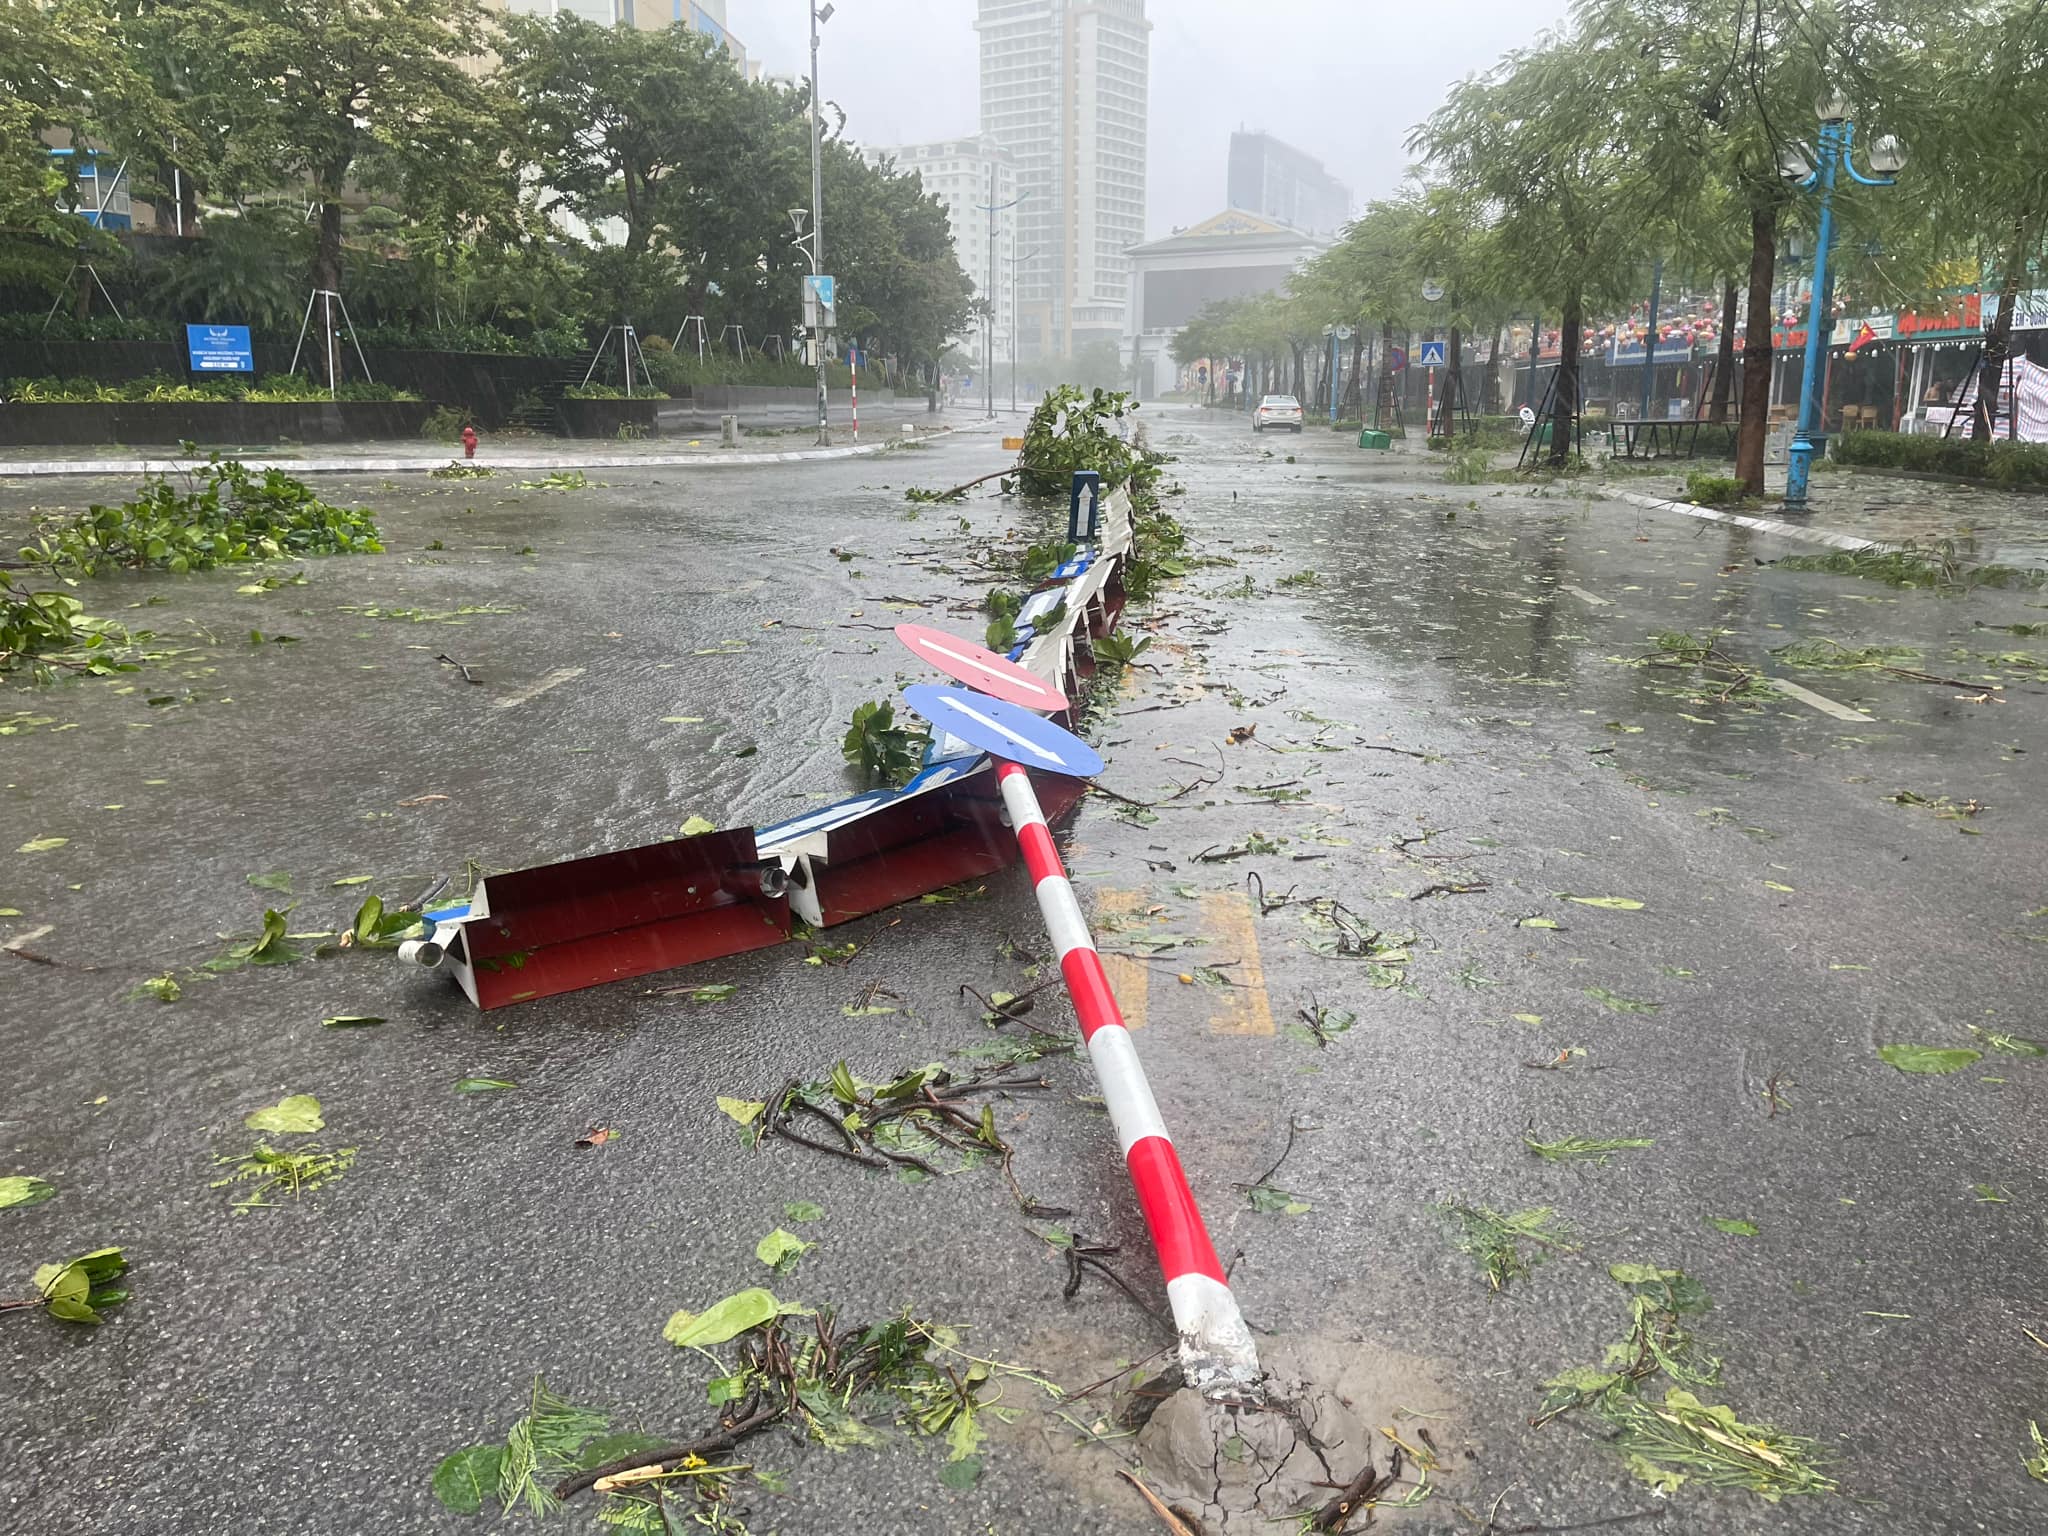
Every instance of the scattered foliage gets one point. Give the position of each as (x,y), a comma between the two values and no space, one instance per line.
(227,514)
(882,753)
(1495,1240)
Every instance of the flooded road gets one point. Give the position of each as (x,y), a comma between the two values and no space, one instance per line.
(1533,828)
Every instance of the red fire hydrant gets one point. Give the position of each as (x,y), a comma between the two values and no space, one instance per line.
(469,442)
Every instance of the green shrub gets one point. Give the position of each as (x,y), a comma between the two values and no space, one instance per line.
(1347,425)
(1997,461)
(1707,490)
(278,388)
(226,514)
(445,423)
(1470,464)
(611,392)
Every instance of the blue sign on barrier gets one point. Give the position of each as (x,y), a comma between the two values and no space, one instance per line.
(1004,729)
(1432,354)
(220,349)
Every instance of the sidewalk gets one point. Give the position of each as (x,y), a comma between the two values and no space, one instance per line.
(403,457)
(1855,509)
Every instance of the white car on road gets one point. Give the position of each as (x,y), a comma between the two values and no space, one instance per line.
(1277,411)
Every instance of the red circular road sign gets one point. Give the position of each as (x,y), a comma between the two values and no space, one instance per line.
(980,668)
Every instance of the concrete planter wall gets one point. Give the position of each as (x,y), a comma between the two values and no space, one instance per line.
(211,422)
(603,418)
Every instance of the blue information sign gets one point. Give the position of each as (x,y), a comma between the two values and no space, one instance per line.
(1432,354)
(220,349)
(823,287)
(1004,729)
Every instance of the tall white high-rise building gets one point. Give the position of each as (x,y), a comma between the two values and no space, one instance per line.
(1064,90)
(970,176)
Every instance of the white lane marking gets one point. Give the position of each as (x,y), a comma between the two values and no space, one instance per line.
(1125,1093)
(1820,702)
(535,689)
(1005,732)
(1584,596)
(981,668)
(1062,913)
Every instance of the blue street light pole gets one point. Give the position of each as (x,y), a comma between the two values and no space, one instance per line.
(1331,332)
(1837,137)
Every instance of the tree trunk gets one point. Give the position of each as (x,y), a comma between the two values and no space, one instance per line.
(1384,389)
(324,332)
(1564,407)
(1756,349)
(1300,371)
(1490,390)
(1354,404)
(1724,359)
(1998,339)
(1535,355)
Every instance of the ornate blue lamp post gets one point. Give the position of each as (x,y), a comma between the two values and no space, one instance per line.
(1887,159)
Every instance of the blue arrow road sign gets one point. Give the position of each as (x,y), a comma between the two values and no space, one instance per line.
(1432,354)
(1004,729)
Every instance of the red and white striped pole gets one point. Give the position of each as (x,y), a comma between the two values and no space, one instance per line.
(1216,1350)
(853,373)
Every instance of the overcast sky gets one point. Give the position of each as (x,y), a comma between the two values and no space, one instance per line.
(1343,79)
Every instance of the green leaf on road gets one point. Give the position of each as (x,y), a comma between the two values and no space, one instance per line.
(297,1115)
(1734,1226)
(1608,903)
(483,1085)
(1928,1060)
(164,988)
(466,1477)
(1271,1201)
(965,1473)
(844,1089)
(1539,922)
(1618,1003)
(781,1250)
(726,1320)
(276,880)
(348,880)
(42,844)
(803,1210)
(742,1110)
(25,1189)
(717,992)
(697,826)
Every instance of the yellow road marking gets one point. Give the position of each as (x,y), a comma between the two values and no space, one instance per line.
(1128,978)
(1242,1008)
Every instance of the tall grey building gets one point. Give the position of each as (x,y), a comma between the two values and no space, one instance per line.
(1277,180)
(1064,91)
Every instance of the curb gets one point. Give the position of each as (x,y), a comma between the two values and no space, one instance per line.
(1772,525)
(42,468)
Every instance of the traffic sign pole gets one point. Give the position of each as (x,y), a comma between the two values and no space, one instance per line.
(1217,1355)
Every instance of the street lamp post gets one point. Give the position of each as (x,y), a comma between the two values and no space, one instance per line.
(1832,151)
(1015,262)
(988,314)
(817,237)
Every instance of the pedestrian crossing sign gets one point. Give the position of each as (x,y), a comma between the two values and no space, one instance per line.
(1432,354)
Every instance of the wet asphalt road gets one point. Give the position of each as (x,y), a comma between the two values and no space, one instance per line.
(304,1367)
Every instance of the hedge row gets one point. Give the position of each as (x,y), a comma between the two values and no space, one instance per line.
(1997,461)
